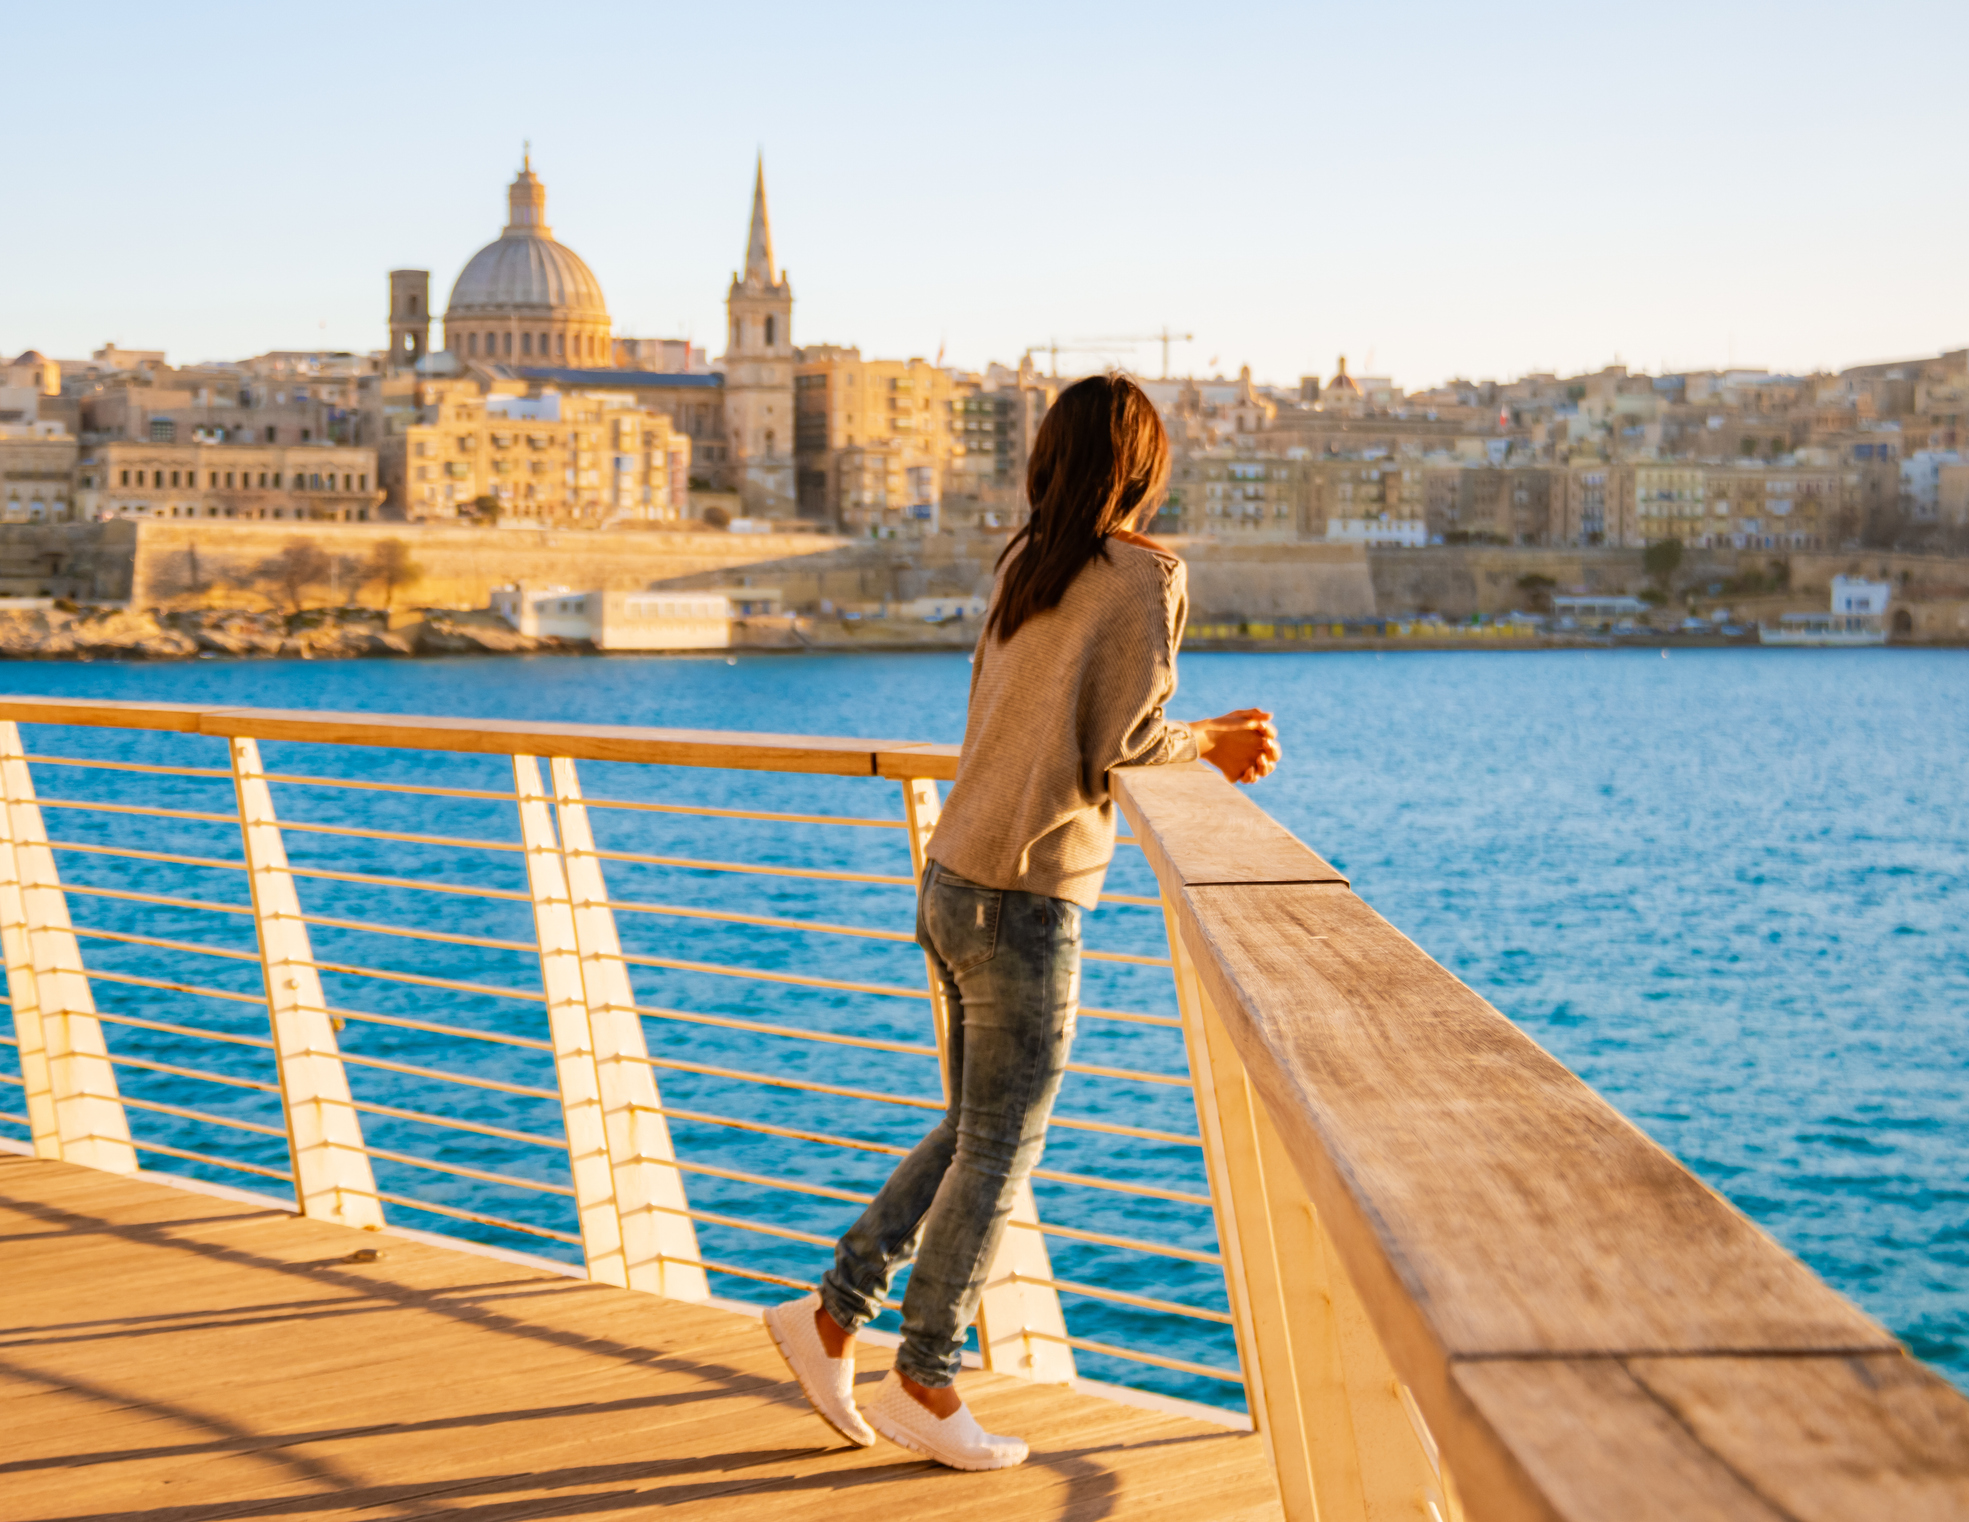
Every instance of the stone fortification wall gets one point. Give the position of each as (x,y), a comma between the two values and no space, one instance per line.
(88,562)
(195,561)
(1458,580)
(1270,580)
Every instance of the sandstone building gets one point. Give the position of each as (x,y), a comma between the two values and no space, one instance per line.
(759,363)
(495,451)
(139,479)
(524,296)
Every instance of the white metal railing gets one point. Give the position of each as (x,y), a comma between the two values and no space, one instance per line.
(531,1067)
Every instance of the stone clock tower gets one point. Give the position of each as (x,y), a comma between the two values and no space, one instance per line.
(759,374)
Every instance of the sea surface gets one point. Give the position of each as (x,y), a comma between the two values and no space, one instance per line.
(1726,887)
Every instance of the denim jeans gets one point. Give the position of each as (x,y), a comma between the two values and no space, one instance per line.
(1010,967)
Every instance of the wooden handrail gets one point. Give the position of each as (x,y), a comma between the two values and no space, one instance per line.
(733,750)
(1588,1330)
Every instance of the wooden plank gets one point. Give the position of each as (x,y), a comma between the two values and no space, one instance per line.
(733,750)
(900,762)
(1579,1438)
(97,713)
(1196,828)
(1826,1439)
(562,1397)
(1482,1198)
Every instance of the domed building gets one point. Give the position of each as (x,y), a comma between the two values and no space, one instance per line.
(527,297)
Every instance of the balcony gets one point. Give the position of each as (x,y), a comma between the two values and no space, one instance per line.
(537,1082)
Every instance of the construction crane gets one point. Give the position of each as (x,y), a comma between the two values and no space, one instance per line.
(1165,338)
(1054,348)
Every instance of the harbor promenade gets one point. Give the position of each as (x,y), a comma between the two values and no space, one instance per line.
(1447,1278)
(168,1355)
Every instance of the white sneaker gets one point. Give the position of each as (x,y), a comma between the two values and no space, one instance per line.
(828,1383)
(956,1440)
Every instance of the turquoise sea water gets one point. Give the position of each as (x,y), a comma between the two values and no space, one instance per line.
(1727,888)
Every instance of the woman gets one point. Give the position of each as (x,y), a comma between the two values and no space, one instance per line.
(1077,658)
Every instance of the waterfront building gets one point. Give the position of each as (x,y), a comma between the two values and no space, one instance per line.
(542,455)
(37,476)
(873,440)
(525,296)
(308,482)
(31,371)
(1593,504)
(1233,490)
(1668,501)
(759,370)
(659,619)
(1921,482)
(1770,507)
(282,397)
(410,318)
(528,309)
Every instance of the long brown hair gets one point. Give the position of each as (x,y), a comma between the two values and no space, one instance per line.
(1100,458)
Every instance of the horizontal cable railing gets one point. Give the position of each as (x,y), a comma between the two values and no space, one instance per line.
(754,903)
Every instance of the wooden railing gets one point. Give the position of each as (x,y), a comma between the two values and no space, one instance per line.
(1461,1278)
(1460,1283)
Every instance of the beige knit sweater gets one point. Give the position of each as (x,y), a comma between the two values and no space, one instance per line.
(1079,689)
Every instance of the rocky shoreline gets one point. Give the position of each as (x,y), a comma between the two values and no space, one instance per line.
(70,632)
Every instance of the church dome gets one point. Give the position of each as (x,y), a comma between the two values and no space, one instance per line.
(525,273)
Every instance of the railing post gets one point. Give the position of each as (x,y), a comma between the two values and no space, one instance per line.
(332,1177)
(567,1025)
(1253,1274)
(1019,1298)
(75,1111)
(37,1089)
(659,1243)
(1370,1447)
(1320,1387)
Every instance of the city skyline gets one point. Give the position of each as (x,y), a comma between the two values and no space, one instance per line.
(1456,199)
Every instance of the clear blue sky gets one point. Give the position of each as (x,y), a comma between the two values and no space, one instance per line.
(1431,189)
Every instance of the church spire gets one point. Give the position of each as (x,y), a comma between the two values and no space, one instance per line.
(759,245)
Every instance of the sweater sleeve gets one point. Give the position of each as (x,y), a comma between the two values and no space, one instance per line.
(1139,679)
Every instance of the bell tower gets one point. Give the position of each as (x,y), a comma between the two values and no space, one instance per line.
(758,366)
(410,317)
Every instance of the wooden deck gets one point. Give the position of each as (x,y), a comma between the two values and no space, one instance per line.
(168,1355)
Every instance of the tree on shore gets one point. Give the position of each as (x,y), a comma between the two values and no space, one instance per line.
(1661,560)
(391,563)
(1538,592)
(299,565)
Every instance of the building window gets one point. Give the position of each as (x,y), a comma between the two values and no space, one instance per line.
(509,342)
(471,343)
(214,478)
(162,430)
(560,344)
(362,483)
(772,328)
(126,478)
(270,433)
(526,344)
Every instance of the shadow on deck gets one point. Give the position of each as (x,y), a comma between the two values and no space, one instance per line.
(168,1355)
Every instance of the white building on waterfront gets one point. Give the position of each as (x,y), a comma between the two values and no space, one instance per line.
(619,620)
